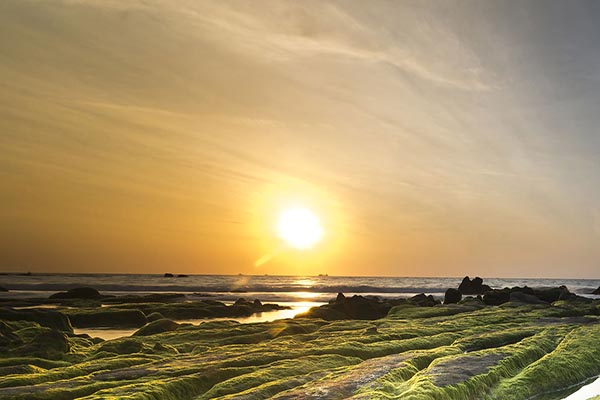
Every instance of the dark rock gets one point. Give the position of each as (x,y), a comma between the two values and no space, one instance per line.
(159,326)
(423,300)
(108,318)
(272,307)
(597,291)
(243,307)
(198,309)
(475,286)
(355,307)
(522,297)
(240,310)
(529,295)
(48,318)
(358,307)
(241,301)
(182,276)
(3,289)
(365,308)
(524,289)
(168,275)
(77,293)
(550,295)
(452,296)
(496,297)
(326,313)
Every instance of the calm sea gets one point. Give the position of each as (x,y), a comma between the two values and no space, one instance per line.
(265,288)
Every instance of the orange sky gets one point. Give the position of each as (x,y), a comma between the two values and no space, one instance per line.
(167,136)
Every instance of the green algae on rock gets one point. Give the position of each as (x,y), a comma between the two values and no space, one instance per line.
(454,351)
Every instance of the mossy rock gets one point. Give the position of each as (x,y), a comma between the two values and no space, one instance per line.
(164,349)
(456,351)
(48,343)
(155,316)
(199,349)
(292,329)
(7,335)
(121,346)
(21,369)
(159,326)
(48,318)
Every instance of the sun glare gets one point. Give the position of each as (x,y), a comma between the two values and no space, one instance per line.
(299,228)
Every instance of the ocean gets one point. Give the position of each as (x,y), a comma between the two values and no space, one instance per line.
(264,287)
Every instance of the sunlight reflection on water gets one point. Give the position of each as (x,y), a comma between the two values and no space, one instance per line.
(297,308)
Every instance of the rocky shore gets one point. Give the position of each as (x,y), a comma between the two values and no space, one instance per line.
(478,343)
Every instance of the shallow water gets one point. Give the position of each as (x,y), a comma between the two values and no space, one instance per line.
(47,306)
(297,308)
(105,333)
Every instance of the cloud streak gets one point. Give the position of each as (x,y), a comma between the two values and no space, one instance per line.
(434,130)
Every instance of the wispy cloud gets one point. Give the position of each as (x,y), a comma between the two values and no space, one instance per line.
(434,127)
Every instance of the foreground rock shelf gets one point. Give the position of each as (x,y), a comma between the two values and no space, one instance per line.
(87,308)
(454,351)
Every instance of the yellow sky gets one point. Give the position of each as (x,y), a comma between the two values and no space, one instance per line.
(154,136)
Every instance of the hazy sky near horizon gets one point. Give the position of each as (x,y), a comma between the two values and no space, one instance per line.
(433,139)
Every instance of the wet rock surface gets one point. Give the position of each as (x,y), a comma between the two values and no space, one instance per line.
(496,297)
(364,308)
(459,369)
(77,293)
(473,286)
(452,296)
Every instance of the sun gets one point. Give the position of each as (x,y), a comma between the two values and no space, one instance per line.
(299,228)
